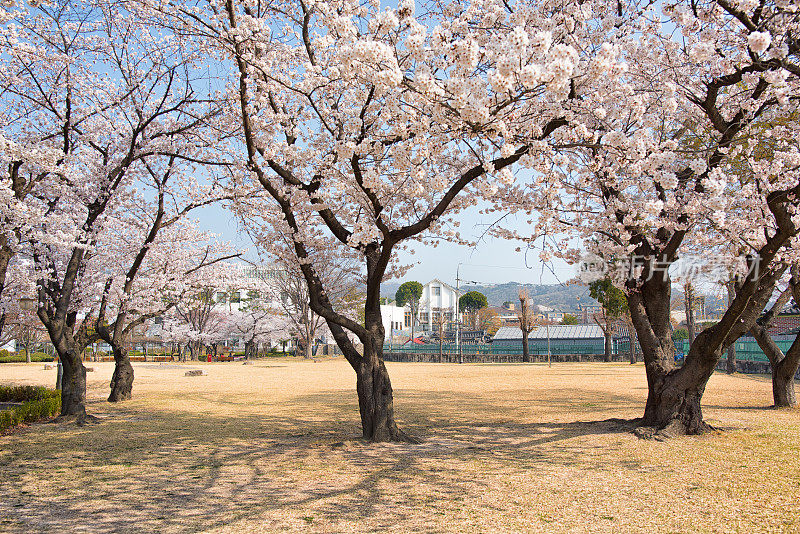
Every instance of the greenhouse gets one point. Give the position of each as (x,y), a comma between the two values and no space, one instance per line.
(562,339)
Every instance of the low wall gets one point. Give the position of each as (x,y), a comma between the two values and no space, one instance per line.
(750,367)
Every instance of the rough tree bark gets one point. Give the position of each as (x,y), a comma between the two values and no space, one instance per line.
(122,379)
(730,366)
(69,345)
(784,366)
(688,303)
(674,395)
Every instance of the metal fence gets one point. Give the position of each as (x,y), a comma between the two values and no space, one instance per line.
(746,348)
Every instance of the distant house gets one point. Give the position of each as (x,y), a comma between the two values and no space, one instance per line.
(507,316)
(563,339)
(787,321)
(393,320)
(438,302)
(547,314)
(587,313)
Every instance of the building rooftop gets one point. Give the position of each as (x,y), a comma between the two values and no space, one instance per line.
(578,331)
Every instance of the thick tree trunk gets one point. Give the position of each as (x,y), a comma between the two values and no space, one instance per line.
(608,346)
(526,354)
(649,308)
(783,393)
(122,379)
(674,403)
(73,383)
(375,397)
(307,350)
(674,395)
(784,367)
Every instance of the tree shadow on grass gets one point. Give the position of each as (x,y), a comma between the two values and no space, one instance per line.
(147,470)
(181,473)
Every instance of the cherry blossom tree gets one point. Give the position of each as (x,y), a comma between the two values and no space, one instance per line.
(784,365)
(367,126)
(672,160)
(258,324)
(201,315)
(152,259)
(92,96)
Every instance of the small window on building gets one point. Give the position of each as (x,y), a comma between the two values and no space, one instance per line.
(437,291)
(407,318)
(236,296)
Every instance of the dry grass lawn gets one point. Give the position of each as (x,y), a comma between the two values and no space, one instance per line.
(274,447)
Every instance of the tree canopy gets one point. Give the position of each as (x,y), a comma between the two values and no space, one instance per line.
(408,293)
(472,301)
(569,319)
(610,297)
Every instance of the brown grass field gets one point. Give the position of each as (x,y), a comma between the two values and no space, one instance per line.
(274,447)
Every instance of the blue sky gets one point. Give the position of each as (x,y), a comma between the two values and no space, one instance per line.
(491,261)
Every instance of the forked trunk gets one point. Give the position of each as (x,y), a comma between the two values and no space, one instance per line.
(673,404)
(122,379)
(375,398)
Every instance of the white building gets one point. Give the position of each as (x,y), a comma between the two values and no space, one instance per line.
(438,300)
(548,314)
(394,320)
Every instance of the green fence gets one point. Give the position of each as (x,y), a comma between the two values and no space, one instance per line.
(746,347)
(557,347)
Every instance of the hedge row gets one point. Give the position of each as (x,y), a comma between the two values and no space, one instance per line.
(19,357)
(37,403)
(26,393)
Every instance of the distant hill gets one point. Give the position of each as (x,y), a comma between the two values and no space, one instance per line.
(560,297)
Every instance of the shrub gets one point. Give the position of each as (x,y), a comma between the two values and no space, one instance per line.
(19,357)
(26,393)
(37,403)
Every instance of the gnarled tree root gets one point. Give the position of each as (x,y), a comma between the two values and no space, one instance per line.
(673,429)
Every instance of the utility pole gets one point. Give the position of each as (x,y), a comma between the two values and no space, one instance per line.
(547,329)
(458,317)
